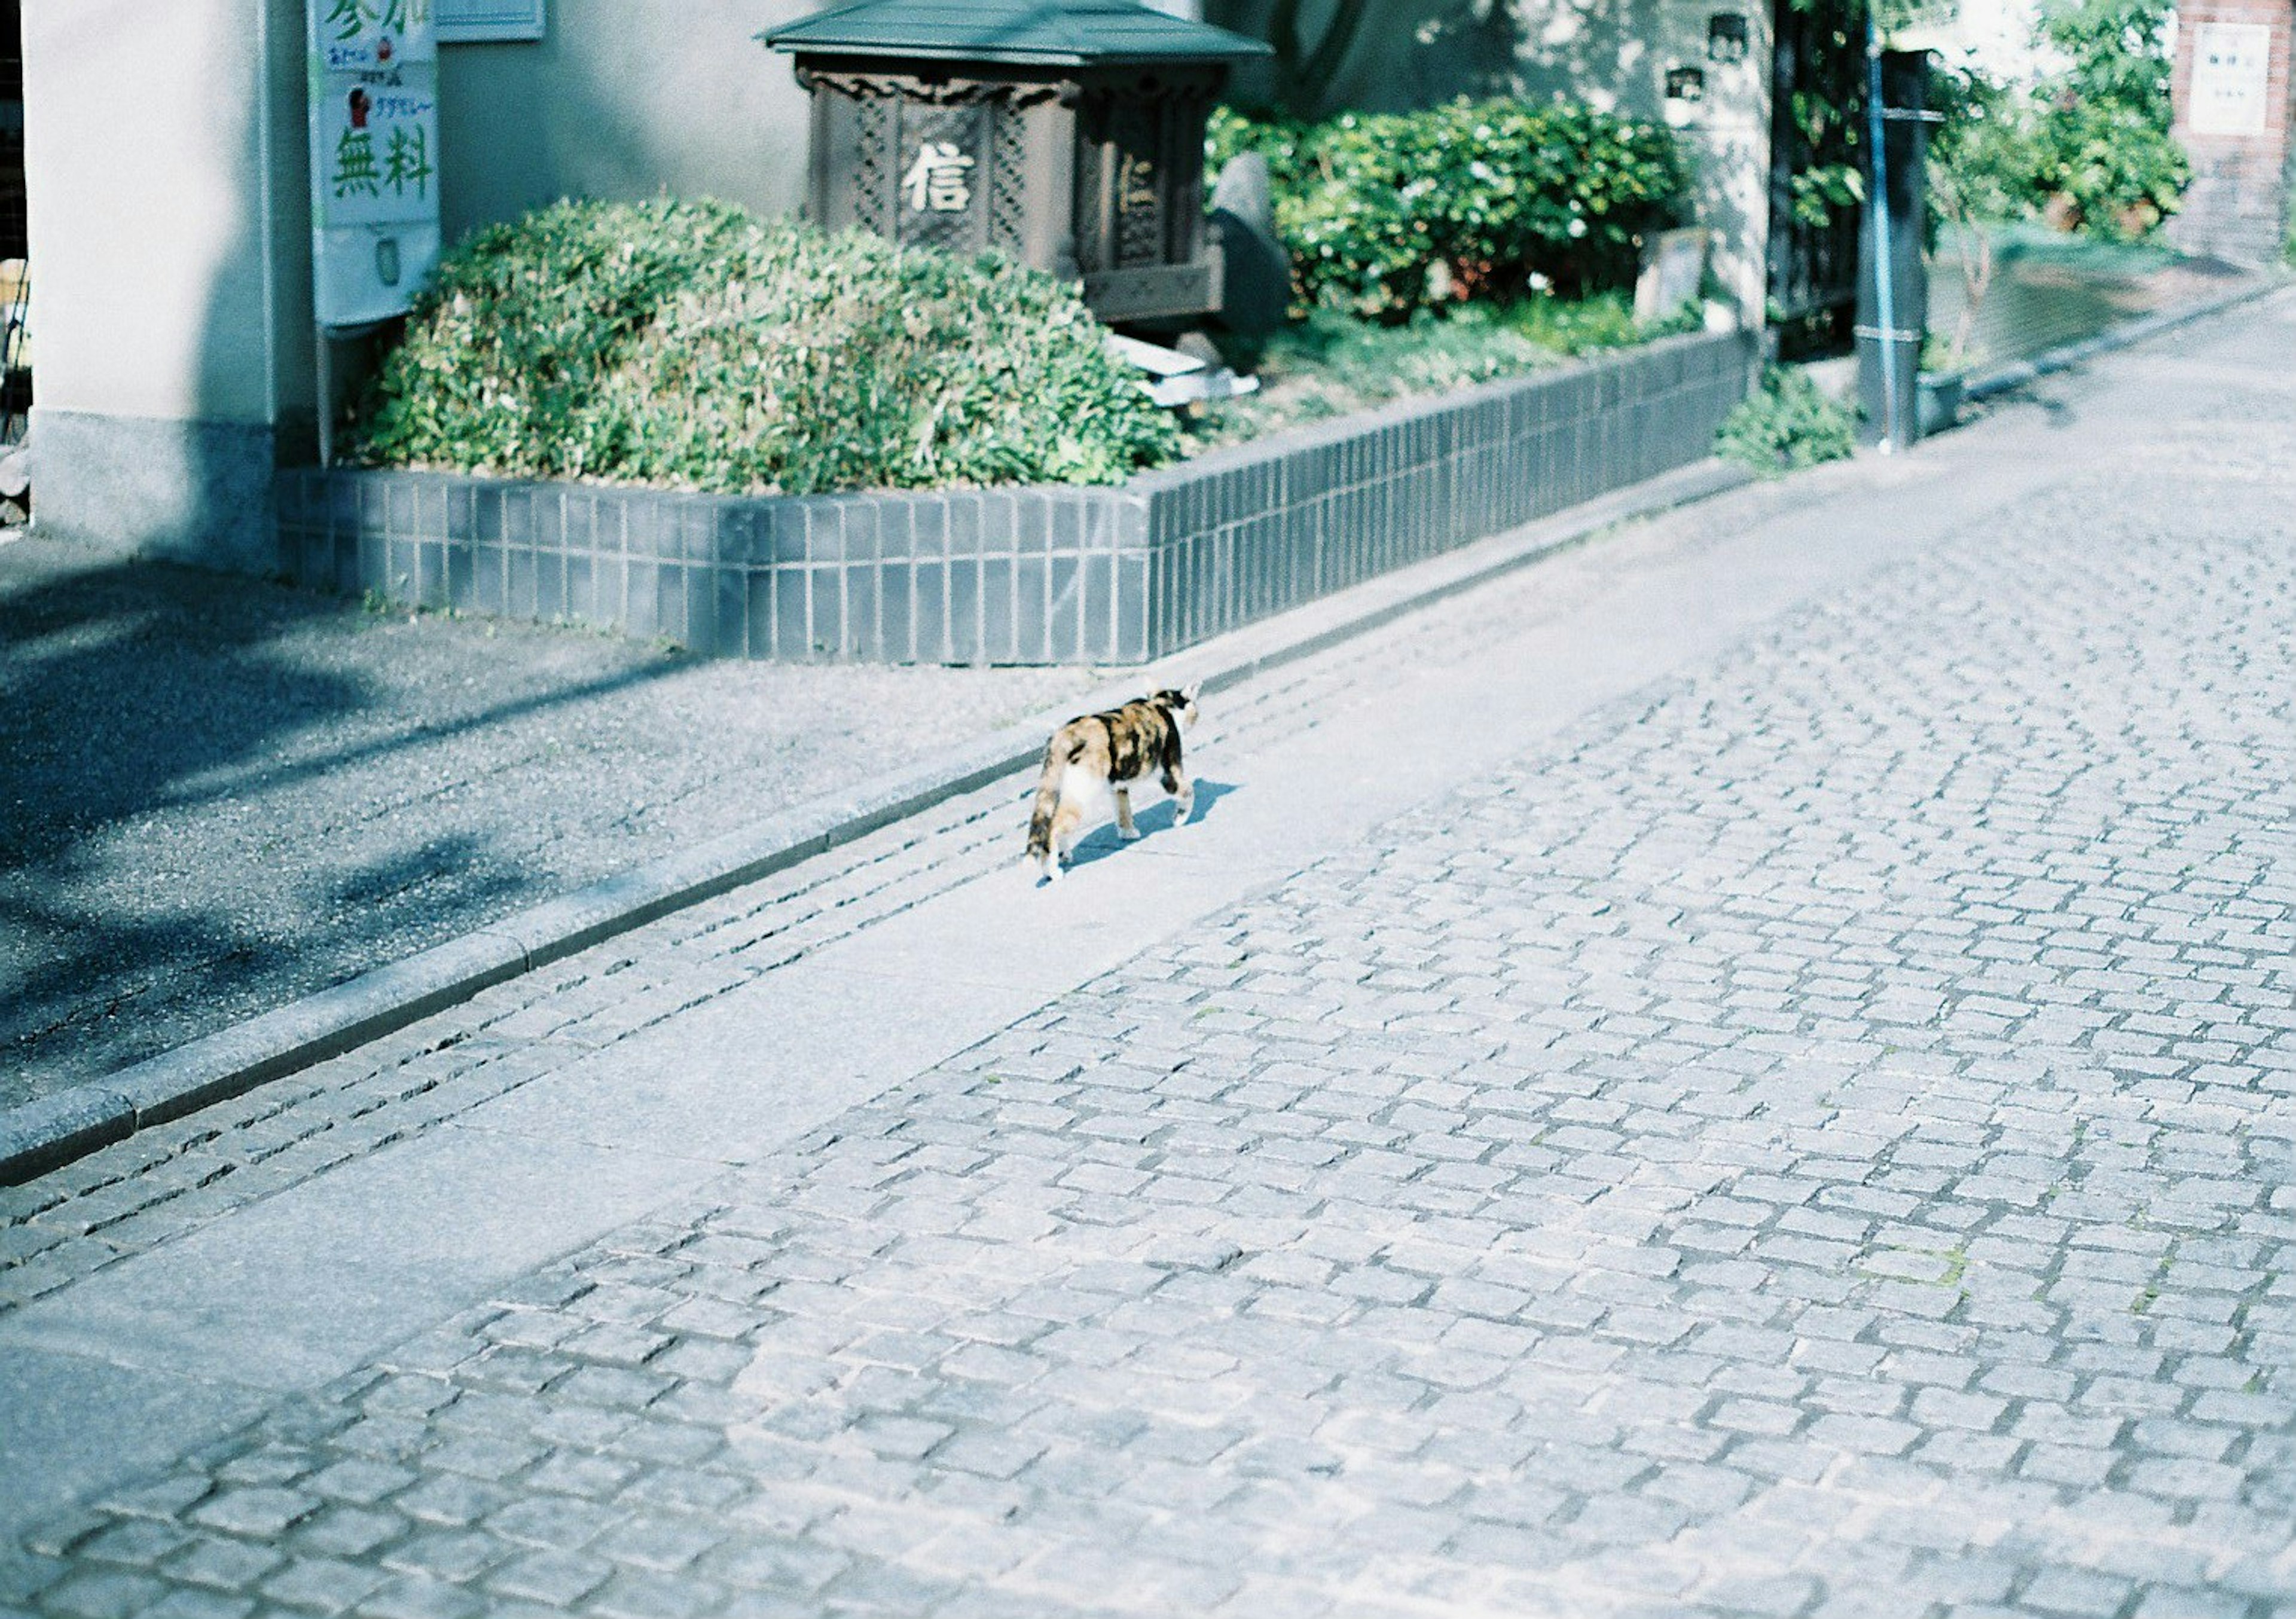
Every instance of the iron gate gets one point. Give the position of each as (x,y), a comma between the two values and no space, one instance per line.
(1817,111)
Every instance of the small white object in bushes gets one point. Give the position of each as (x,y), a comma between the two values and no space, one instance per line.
(1181,379)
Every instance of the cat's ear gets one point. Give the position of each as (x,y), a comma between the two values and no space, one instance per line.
(1188,693)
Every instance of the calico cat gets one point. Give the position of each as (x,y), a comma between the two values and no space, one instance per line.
(1099,755)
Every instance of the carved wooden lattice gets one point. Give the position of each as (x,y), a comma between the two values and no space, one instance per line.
(1137,194)
(872,196)
(1008,197)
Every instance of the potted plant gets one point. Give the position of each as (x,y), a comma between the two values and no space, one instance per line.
(1947,355)
(1976,152)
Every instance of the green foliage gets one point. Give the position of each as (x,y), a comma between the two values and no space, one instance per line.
(1388,214)
(1598,320)
(2103,154)
(1786,426)
(1981,156)
(2120,174)
(2088,147)
(1979,162)
(1832,180)
(1330,364)
(2117,50)
(694,346)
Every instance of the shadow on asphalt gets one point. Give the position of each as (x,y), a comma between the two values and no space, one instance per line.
(131,691)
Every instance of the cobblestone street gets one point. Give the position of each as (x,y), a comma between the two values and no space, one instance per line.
(1812,1137)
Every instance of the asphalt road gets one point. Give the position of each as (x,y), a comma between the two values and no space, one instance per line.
(218,794)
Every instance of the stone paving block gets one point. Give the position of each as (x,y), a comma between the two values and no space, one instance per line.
(348,1532)
(187,1602)
(454,1555)
(257,1512)
(322,1585)
(1778,1149)
(554,1578)
(221,1564)
(133,1543)
(421,1597)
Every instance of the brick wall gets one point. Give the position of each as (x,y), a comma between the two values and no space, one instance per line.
(2236,205)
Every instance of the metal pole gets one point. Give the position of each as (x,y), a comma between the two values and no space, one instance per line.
(326,398)
(1884,264)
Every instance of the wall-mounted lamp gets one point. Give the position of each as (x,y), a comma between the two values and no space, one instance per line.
(1726,37)
(1686,83)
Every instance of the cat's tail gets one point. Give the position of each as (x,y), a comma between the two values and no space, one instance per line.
(1057,759)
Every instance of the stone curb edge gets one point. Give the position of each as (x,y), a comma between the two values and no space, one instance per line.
(39,1136)
(2007,379)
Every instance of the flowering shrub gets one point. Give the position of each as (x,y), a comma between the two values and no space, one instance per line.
(1388,213)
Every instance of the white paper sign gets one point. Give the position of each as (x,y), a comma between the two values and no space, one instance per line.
(471,22)
(374,157)
(2232,65)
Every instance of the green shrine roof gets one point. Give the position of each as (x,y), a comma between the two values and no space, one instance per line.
(1065,33)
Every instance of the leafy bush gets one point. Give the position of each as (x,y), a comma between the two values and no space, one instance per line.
(693,345)
(1980,168)
(1598,320)
(1981,155)
(1386,214)
(2102,154)
(1330,364)
(2088,147)
(1786,426)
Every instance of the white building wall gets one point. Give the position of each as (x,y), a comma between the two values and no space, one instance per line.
(164,166)
(621,99)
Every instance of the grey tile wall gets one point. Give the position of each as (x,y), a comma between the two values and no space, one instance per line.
(1032,575)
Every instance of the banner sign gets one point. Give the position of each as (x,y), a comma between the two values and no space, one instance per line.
(374,156)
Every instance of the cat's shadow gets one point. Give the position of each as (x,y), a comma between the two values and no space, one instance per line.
(1101,842)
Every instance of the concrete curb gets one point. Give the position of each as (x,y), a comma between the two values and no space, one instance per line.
(40,1136)
(2007,379)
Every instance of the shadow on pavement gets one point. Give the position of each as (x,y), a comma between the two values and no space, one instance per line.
(1101,842)
(133,692)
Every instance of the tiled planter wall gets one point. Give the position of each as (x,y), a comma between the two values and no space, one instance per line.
(1024,576)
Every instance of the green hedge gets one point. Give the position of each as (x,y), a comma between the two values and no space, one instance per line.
(1385,214)
(694,346)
